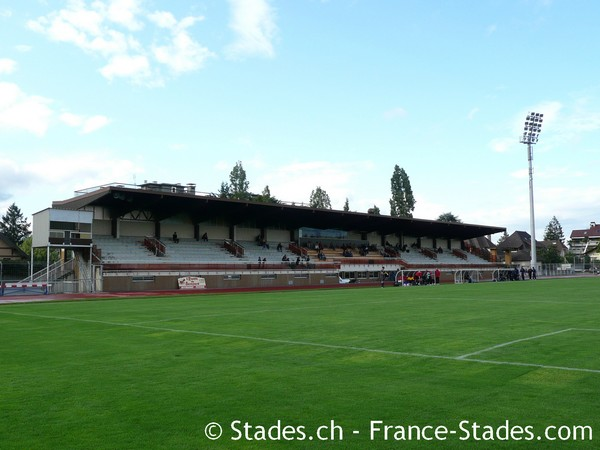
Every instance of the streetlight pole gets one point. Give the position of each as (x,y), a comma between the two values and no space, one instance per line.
(532,129)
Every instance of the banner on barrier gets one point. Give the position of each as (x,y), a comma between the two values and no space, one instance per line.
(191,283)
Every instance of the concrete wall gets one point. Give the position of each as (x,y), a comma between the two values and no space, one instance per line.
(169,282)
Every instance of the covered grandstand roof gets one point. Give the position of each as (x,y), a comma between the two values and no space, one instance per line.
(122,199)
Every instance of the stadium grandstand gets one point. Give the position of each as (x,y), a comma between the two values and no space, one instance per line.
(161,236)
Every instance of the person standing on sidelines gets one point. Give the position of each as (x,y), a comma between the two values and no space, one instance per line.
(437,276)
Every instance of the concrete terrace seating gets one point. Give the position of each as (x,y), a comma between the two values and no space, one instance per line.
(415,257)
(190,251)
(187,251)
(474,259)
(124,249)
(252,251)
(446,257)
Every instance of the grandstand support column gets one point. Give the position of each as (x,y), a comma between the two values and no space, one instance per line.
(30,266)
(91,271)
(157,229)
(115,228)
(47,265)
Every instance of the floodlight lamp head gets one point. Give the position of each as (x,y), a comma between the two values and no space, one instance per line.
(532,128)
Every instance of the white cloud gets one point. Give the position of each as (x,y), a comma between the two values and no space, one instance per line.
(125,13)
(81,169)
(395,113)
(182,53)
(36,183)
(7,66)
(253,22)
(472,113)
(163,19)
(94,123)
(502,145)
(296,181)
(72,120)
(85,124)
(108,28)
(136,67)
(21,111)
(5,13)
(520,174)
(34,114)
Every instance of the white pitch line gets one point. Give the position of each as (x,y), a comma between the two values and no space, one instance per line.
(541,366)
(260,311)
(505,344)
(314,344)
(298,308)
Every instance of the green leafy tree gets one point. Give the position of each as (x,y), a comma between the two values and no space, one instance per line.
(224,190)
(374,210)
(503,237)
(449,217)
(39,254)
(554,231)
(14,225)
(346,205)
(550,255)
(238,183)
(319,199)
(265,197)
(266,192)
(402,203)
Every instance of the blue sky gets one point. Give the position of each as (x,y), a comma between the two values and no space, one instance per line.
(306,93)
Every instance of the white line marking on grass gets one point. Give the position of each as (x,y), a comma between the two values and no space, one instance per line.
(521,364)
(260,311)
(505,344)
(321,306)
(313,344)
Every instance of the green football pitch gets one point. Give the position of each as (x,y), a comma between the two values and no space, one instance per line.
(489,365)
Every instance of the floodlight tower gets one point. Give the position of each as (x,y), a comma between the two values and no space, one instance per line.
(532,129)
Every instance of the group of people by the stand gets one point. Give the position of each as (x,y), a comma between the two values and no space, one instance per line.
(516,274)
(422,278)
(416,278)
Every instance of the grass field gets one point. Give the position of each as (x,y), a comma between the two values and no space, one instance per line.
(153,373)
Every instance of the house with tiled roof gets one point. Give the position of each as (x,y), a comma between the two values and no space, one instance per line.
(9,250)
(586,242)
(516,248)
